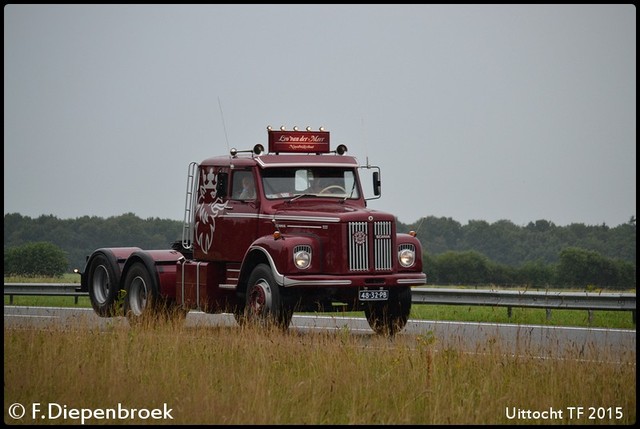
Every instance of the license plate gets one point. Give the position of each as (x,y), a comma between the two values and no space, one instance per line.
(373,295)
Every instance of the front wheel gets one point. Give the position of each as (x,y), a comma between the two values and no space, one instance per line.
(389,317)
(264,303)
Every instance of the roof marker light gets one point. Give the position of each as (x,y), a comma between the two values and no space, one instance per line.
(282,128)
(295,128)
(308,128)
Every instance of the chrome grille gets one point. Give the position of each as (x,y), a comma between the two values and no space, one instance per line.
(382,245)
(359,246)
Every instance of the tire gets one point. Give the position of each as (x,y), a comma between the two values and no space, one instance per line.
(142,302)
(264,301)
(103,284)
(389,317)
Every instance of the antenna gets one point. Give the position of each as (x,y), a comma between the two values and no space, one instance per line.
(420,226)
(223,125)
(364,138)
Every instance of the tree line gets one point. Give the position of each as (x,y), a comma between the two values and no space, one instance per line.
(539,254)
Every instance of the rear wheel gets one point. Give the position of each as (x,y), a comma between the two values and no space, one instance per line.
(143,303)
(389,317)
(264,302)
(102,281)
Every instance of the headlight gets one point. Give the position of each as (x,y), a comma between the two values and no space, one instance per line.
(302,257)
(406,257)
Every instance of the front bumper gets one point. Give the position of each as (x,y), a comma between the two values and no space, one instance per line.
(352,280)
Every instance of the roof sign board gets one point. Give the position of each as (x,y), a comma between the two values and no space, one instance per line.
(299,141)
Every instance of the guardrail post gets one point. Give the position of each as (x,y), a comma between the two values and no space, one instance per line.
(509,311)
(548,314)
(590,313)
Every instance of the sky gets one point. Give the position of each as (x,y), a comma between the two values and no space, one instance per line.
(472,112)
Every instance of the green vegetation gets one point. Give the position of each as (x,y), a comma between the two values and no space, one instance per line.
(49,301)
(233,376)
(35,259)
(511,245)
(64,278)
(524,316)
(539,254)
(576,267)
(81,236)
(454,313)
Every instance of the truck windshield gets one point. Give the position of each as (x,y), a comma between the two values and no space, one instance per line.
(318,181)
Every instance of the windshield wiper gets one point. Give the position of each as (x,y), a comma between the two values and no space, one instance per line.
(300,196)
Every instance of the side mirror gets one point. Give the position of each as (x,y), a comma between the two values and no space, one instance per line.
(376,183)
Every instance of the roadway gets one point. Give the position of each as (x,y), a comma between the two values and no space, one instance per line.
(538,340)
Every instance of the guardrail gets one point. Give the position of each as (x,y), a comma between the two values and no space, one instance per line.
(43,289)
(589,301)
(549,300)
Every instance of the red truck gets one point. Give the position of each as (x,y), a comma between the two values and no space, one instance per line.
(267,234)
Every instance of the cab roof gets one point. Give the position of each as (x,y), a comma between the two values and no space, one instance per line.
(289,148)
(272,160)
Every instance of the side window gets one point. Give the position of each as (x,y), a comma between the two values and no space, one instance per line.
(243,186)
(213,184)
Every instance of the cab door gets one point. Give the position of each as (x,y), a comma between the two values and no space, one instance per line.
(240,217)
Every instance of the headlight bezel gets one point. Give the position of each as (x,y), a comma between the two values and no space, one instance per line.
(406,255)
(302,256)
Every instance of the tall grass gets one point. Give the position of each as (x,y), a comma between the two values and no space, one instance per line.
(242,375)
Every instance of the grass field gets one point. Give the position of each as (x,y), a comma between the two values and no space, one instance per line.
(175,374)
(247,376)
(228,376)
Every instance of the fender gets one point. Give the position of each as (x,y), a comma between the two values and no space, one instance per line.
(410,239)
(161,264)
(278,254)
(116,256)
